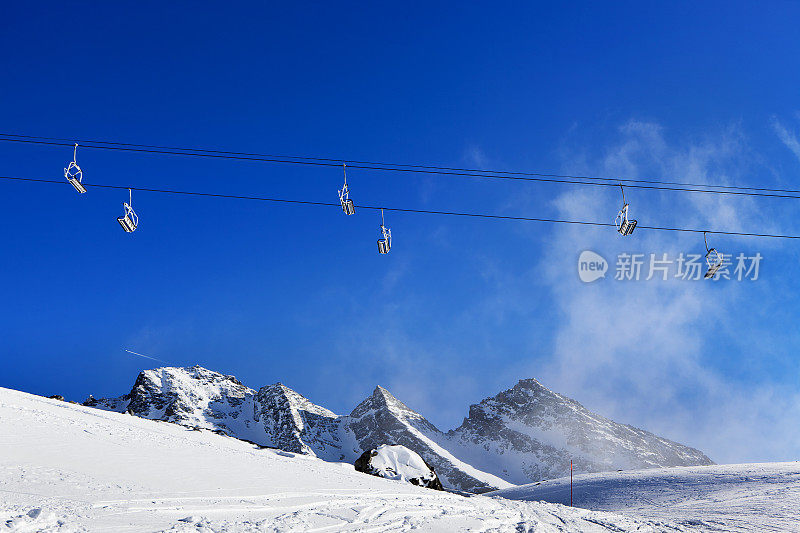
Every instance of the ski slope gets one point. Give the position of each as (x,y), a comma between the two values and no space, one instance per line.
(65,467)
(748,497)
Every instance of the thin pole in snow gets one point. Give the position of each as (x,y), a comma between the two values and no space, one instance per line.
(570,482)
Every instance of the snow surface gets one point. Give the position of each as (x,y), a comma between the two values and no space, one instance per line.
(746,497)
(400,463)
(66,467)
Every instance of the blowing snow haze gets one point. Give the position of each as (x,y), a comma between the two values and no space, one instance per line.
(524,434)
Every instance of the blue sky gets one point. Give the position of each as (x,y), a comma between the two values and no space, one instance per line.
(460,308)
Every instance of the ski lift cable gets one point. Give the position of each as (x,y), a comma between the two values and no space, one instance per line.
(409,210)
(388,164)
(484,174)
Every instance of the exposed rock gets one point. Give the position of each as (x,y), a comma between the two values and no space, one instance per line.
(296,424)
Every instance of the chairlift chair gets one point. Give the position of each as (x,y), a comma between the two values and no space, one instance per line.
(344,195)
(130,220)
(74,174)
(713,259)
(624,225)
(384,244)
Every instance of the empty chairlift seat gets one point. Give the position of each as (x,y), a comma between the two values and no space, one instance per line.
(344,195)
(714,259)
(130,220)
(385,242)
(624,225)
(74,174)
(347,205)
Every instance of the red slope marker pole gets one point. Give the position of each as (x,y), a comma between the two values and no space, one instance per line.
(570,483)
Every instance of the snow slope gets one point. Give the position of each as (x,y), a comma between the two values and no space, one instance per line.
(66,467)
(747,497)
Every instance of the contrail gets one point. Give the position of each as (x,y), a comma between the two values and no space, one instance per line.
(147,356)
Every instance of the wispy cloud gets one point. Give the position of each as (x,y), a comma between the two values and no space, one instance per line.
(644,353)
(641,353)
(476,157)
(787,137)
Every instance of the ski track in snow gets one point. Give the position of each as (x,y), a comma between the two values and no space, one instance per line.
(65,467)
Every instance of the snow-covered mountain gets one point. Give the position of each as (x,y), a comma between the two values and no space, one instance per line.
(383,419)
(529,433)
(524,434)
(278,417)
(70,468)
(274,416)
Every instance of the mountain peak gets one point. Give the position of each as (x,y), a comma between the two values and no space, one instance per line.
(529,383)
(195,372)
(381,393)
(381,400)
(543,430)
(292,399)
(277,387)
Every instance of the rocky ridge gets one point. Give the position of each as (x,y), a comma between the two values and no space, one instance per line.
(523,434)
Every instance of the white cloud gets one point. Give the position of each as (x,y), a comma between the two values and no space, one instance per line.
(640,353)
(644,352)
(787,137)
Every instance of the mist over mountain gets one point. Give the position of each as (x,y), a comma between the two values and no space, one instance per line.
(524,434)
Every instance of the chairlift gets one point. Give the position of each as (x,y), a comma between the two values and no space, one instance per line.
(130,220)
(624,225)
(384,244)
(73,172)
(344,195)
(713,259)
